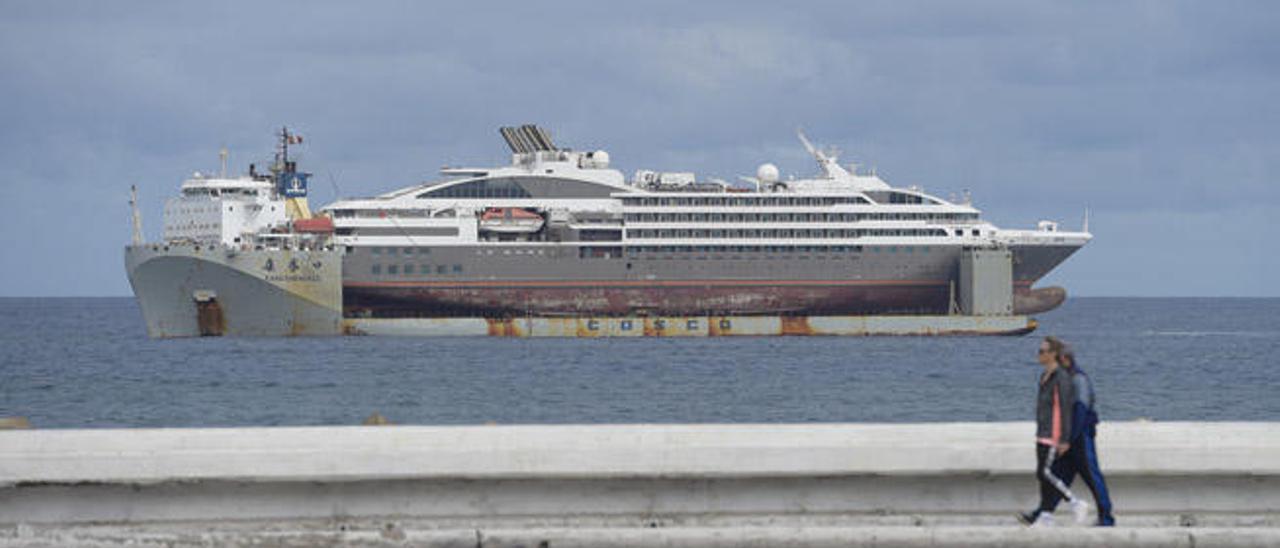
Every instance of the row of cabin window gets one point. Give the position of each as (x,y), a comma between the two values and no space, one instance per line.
(213,208)
(784,233)
(793,217)
(511,252)
(400,250)
(195,226)
(411,269)
(636,250)
(217,192)
(384,213)
(771,201)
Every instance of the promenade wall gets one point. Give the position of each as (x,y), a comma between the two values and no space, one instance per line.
(631,482)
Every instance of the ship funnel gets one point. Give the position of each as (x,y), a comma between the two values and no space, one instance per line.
(539,136)
(513,141)
(527,138)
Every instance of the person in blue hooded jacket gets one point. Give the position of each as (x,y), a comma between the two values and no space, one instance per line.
(1082,457)
(1055,406)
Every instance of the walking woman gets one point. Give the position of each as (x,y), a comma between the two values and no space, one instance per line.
(1082,457)
(1054,405)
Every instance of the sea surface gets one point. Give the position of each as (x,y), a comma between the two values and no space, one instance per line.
(87,363)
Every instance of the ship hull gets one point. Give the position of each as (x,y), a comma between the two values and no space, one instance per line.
(189,291)
(763,297)
(538,280)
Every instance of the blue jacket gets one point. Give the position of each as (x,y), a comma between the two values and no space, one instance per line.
(1084,416)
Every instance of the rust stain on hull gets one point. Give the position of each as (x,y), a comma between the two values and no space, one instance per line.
(502,327)
(209,318)
(796,325)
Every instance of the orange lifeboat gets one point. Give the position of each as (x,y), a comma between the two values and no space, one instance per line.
(314,225)
(510,220)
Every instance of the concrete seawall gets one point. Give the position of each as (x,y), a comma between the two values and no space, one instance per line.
(811,484)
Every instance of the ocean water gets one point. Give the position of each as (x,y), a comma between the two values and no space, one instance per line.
(87,363)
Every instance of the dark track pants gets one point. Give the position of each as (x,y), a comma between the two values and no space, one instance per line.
(1052,488)
(1082,459)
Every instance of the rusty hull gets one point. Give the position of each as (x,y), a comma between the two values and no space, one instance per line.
(693,326)
(655,299)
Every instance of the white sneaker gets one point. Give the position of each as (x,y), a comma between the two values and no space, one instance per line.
(1045,519)
(1080,509)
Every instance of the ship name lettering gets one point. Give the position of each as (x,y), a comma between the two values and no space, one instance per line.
(293,278)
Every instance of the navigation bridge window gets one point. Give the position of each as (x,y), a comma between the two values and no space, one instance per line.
(520,187)
(895,197)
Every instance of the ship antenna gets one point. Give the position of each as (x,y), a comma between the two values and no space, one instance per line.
(282,153)
(1086,220)
(137,216)
(333,181)
(222,156)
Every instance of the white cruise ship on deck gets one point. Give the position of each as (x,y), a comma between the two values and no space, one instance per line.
(561,233)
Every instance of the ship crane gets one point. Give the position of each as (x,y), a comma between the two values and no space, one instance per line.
(826,162)
(832,170)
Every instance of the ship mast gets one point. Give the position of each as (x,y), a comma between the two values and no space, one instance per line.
(137,215)
(290,184)
(281,164)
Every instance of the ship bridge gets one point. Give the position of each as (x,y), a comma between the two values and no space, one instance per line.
(222,210)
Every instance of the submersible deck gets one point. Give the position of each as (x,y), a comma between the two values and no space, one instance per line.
(299,292)
(693,326)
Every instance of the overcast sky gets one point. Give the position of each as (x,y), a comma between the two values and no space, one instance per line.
(1163,118)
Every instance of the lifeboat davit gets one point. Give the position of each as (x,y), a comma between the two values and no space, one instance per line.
(511,220)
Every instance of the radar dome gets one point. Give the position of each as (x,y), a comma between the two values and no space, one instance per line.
(598,159)
(767,173)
